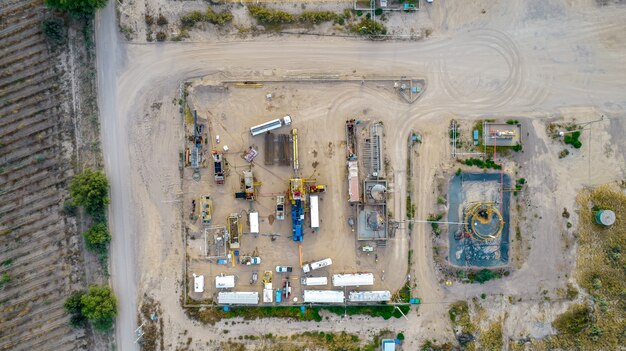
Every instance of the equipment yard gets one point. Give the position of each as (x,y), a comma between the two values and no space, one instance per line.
(301,163)
(352,174)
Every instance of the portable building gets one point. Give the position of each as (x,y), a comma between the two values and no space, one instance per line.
(314,281)
(225,282)
(315,211)
(323,296)
(369,296)
(238,298)
(360,279)
(198,283)
(254,222)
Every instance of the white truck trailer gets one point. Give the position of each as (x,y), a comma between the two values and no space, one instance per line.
(271,125)
(316,265)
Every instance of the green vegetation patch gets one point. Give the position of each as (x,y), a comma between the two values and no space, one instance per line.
(481,164)
(218,18)
(90,189)
(78,8)
(97,305)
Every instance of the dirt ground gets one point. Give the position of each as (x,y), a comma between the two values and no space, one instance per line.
(535,61)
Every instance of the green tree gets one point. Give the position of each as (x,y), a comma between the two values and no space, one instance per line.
(73,304)
(99,305)
(78,8)
(91,190)
(97,237)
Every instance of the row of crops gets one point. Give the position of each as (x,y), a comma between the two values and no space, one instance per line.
(39,257)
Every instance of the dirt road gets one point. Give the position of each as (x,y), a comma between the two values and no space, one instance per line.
(522,62)
(115,141)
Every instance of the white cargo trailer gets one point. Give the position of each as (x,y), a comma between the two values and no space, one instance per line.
(238,298)
(271,125)
(323,296)
(254,222)
(314,281)
(369,296)
(360,279)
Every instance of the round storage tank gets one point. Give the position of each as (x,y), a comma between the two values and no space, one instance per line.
(605,217)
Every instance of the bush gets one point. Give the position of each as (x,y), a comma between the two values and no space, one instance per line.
(90,189)
(369,27)
(99,305)
(78,8)
(572,139)
(161,36)
(574,320)
(73,304)
(359,13)
(400,336)
(54,30)
(149,20)
(97,237)
(162,21)
(518,147)
(218,18)
(378,11)
(316,17)
(484,275)
(269,16)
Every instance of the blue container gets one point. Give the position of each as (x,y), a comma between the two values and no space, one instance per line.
(226,308)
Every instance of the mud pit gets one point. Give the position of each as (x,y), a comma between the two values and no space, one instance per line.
(468,190)
(319,112)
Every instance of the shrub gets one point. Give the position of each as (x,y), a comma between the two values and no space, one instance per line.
(149,20)
(97,237)
(572,139)
(90,189)
(484,275)
(378,11)
(518,147)
(400,336)
(190,19)
(162,21)
(218,18)
(269,16)
(161,36)
(316,17)
(574,320)
(359,13)
(73,303)
(512,121)
(54,30)
(369,27)
(99,305)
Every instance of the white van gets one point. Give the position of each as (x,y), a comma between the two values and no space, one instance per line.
(316,265)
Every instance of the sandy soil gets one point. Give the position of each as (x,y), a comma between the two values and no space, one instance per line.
(535,60)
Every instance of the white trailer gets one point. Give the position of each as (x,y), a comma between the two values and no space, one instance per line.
(315,211)
(314,281)
(370,296)
(254,222)
(324,296)
(271,125)
(225,282)
(238,298)
(360,279)
(316,265)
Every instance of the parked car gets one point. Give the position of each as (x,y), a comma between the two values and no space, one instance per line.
(287,290)
(251,260)
(283,269)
